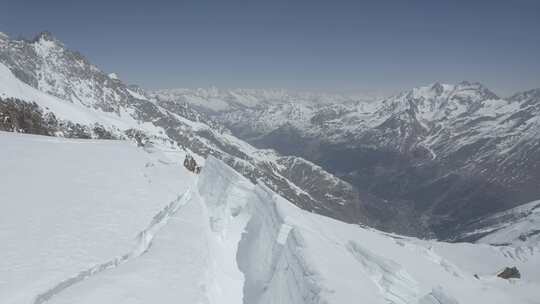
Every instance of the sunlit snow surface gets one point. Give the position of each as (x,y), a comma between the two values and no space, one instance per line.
(69,205)
(89,221)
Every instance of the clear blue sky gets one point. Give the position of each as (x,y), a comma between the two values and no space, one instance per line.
(304,45)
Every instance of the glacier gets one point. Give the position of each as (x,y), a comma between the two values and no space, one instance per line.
(105,221)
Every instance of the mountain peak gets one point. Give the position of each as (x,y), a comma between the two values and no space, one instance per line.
(428,91)
(471,84)
(47,37)
(437,87)
(478,87)
(529,96)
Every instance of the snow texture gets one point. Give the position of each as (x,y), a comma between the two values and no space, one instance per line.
(107,222)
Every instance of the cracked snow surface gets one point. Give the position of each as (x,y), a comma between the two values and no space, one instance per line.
(107,222)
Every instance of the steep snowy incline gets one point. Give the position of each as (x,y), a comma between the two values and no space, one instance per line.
(74,98)
(70,205)
(12,87)
(291,256)
(519,227)
(192,258)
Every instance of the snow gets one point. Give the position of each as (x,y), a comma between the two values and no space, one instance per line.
(107,222)
(332,262)
(522,229)
(11,86)
(113,76)
(218,100)
(136,95)
(69,205)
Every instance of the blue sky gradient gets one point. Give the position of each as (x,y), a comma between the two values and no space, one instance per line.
(333,46)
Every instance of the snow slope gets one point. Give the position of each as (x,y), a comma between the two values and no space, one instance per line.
(11,86)
(69,206)
(86,102)
(519,227)
(107,222)
(192,259)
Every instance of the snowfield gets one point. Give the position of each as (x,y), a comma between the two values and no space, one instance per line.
(70,205)
(88,221)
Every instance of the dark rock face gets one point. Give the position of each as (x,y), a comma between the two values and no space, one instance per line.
(23,117)
(191,164)
(27,117)
(509,273)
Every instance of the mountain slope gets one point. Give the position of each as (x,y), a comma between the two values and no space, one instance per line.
(210,238)
(519,226)
(69,205)
(425,162)
(446,154)
(73,98)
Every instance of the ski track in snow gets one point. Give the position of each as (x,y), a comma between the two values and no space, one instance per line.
(248,242)
(143,244)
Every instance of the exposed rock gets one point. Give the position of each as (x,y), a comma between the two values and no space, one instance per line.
(138,136)
(509,273)
(23,117)
(191,164)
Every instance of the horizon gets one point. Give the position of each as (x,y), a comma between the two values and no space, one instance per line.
(369,95)
(194,45)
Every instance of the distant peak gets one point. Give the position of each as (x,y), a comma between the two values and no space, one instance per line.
(3,36)
(113,76)
(479,87)
(45,36)
(472,84)
(437,87)
(529,94)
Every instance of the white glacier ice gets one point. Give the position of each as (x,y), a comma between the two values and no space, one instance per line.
(90,221)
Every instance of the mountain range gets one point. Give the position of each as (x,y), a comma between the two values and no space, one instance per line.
(112,193)
(426,162)
(442,154)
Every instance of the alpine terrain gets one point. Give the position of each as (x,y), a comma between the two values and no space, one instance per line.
(112,193)
(442,154)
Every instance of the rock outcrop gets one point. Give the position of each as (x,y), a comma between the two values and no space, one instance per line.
(509,273)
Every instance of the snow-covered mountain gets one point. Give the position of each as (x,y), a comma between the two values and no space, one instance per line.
(519,227)
(109,222)
(426,162)
(45,88)
(224,100)
(446,154)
